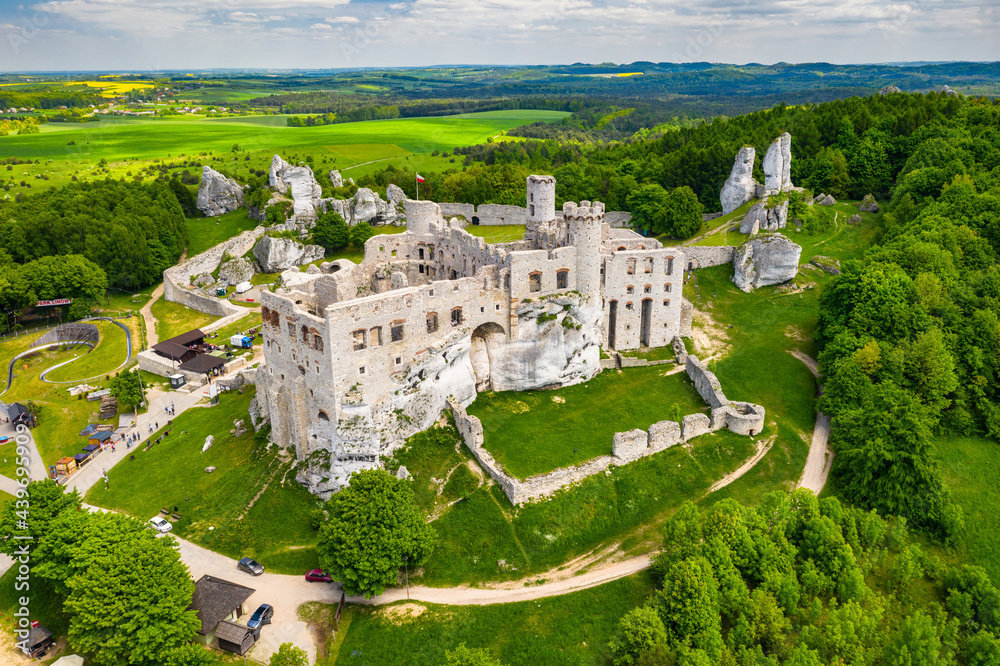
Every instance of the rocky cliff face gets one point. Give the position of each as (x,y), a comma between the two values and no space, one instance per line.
(336,178)
(364,206)
(765,260)
(763,216)
(299,183)
(777,164)
(217,194)
(279,254)
(235,271)
(740,187)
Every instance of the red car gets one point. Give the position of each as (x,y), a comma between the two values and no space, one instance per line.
(318,576)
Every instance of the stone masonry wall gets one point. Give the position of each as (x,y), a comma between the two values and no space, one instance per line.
(704,256)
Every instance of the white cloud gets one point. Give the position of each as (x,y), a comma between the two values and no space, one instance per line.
(320,26)
(342,19)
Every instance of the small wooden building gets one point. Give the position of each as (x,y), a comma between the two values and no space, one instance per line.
(65,466)
(216,601)
(234,638)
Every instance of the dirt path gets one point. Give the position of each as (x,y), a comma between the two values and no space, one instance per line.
(762,448)
(820,457)
(147,314)
(724,228)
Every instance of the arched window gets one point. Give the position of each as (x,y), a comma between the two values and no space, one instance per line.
(396,331)
(630,267)
(323,416)
(360,339)
(534,282)
(305,334)
(562,278)
(265,314)
(318,342)
(456,316)
(630,289)
(376,337)
(628,306)
(432,322)
(621,248)
(648,289)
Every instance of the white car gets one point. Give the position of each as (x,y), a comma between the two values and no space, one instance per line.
(159,524)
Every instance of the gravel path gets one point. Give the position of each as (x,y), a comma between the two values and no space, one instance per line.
(820,457)
(147,313)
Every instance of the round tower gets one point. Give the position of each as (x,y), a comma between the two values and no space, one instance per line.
(420,215)
(541,197)
(585,222)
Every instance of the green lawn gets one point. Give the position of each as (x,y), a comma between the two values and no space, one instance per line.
(501,233)
(533,432)
(104,358)
(214,507)
(172,319)
(205,233)
(572,629)
(651,353)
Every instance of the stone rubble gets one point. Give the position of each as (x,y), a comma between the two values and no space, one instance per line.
(236,271)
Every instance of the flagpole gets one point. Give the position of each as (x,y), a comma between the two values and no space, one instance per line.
(416,179)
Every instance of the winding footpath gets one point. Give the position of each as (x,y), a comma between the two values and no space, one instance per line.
(147,314)
(820,457)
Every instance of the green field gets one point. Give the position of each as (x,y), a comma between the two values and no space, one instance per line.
(533,432)
(216,508)
(172,319)
(130,145)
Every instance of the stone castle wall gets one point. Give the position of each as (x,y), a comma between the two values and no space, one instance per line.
(496,214)
(704,256)
(633,278)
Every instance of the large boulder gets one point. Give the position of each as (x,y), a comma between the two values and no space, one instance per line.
(394,194)
(767,215)
(868,204)
(279,254)
(364,206)
(217,194)
(236,271)
(765,259)
(740,187)
(777,164)
(299,183)
(828,200)
(336,179)
(889,89)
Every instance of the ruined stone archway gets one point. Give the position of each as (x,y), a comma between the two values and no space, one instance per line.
(487,340)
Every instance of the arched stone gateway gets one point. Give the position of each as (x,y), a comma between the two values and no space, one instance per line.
(487,341)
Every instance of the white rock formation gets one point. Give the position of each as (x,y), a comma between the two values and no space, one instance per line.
(298,182)
(777,164)
(364,206)
(868,204)
(336,179)
(766,218)
(235,271)
(765,259)
(889,89)
(828,200)
(394,194)
(740,187)
(279,254)
(208,443)
(217,194)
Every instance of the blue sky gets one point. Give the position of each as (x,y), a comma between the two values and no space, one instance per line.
(151,35)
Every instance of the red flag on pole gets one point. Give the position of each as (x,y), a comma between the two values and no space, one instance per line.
(420,178)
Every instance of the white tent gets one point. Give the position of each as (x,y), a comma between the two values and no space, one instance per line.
(69,660)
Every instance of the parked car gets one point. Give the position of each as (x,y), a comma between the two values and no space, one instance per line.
(260,617)
(318,576)
(251,566)
(160,525)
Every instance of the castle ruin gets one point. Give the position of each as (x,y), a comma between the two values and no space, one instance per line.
(358,357)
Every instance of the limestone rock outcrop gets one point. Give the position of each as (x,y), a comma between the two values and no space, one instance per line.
(868,204)
(235,271)
(364,206)
(740,187)
(336,179)
(765,260)
(948,91)
(777,164)
(889,89)
(298,182)
(855,219)
(828,264)
(217,194)
(765,216)
(394,194)
(828,200)
(279,254)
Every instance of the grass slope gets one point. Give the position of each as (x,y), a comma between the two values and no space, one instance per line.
(172,319)
(533,432)
(109,353)
(215,508)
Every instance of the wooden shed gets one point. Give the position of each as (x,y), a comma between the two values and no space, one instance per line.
(65,466)
(233,637)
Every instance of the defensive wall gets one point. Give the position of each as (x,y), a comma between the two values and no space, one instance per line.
(743,418)
(704,256)
(496,214)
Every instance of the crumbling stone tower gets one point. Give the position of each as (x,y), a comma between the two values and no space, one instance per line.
(540,218)
(584,224)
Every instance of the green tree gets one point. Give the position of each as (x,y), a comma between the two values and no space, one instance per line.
(648,207)
(918,643)
(372,528)
(466,656)
(331,231)
(682,213)
(289,655)
(360,233)
(42,503)
(639,631)
(688,604)
(127,389)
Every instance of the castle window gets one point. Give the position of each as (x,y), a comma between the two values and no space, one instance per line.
(431,292)
(641,247)
(482,309)
(318,343)
(317,368)
(506,281)
(376,337)
(275,318)
(420,253)
(562,279)
(432,322)
(394,253)
(630,289)
(265,314)
(534,282)
(454,274)
(531,210)
(291,330)
(456,317)
(630,269)
(294,356)
(648,289)
(668,266)
(323,416)
(648,262)
(421,268)
(498,307)
(531,197)
(666,288)
(302,371)
(399,360)
(381,248)
(666,303)
(305,334)
(628,306)
(396,331)
(360,339)
(361,370)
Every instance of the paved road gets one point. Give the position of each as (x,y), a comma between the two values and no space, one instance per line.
(820,457)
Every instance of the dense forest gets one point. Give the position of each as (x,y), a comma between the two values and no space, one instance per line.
(118,234)
(806,582)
